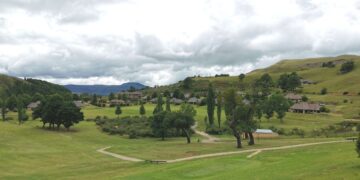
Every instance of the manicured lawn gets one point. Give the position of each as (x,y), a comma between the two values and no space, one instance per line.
(29,152)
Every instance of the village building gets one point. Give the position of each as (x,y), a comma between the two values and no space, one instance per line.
(79,104)
(305,107)
(132,95)
(116,102)
(265,133)
(194,100)
(176,101)
(33,105)
(154,100)
(293,97)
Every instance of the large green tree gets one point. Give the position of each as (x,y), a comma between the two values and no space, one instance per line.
(187,83)
(289,82)
(11,103)
(69,114)
(161,123)
(3,109)
(210,99)
(184,119)
(20,110)
(49,113)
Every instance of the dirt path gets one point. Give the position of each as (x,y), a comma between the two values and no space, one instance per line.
(209,138)
(125,158)
(255,152)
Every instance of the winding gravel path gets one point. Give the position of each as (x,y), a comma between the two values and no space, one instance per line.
(256,151)
(209,138)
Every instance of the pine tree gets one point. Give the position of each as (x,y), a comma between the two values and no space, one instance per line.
(211,104)
(118,111)
(142,109)
(20,110)
(168,104)
(218,109)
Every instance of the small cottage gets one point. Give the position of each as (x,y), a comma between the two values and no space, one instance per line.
(305,107)
(293,97)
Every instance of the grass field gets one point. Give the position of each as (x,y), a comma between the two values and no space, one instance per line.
(29,152)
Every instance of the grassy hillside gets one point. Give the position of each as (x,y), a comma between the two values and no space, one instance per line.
(309,69)
(12,85)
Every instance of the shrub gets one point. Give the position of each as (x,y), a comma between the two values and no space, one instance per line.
(358,93)
(347,67)
(323,91)
(298,132)
(345,93)
(324,109)
(345,101)
(304,98)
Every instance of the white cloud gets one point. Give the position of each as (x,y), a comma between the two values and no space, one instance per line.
(161,41)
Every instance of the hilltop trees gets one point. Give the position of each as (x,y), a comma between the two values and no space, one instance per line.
(289,82)
(347,67)
(210,104)
(187,83)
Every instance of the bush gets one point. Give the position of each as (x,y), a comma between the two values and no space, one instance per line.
(304,98)
(347,67)
(215,130)
(323,91)
(345,93)
(324,109)
(297,132)
(345,101)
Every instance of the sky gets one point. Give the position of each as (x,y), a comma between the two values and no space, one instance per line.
(160,42)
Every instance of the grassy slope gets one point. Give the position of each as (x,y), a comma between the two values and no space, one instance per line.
(29,152)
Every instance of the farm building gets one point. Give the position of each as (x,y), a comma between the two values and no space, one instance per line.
(78,104)
(293,97)
(194,100)
(176,101)
(304,107)
(33,105)
(116,102)
(132,95)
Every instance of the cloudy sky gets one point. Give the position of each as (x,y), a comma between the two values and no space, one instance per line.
(162,41)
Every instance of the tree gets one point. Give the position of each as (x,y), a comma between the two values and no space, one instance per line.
(38,97)
(142,109)
(159,105)
(3,110)
(161,123)
(268,109)
(76,97)
(49,114)
(69,114)
(11,103)
(230,108)
(168,104)
(358,146)
(184,122)
(241,77)
(289,82)
(111,96)
(132,89)
(118,111)
(210,104)
(218,109)
(187,83)
(264,84)
(20,110)
(26,99)
(347,67)
(323,91)
(304,98)
(281,105)
(94,100)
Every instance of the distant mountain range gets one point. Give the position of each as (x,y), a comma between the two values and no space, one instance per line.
(104,89)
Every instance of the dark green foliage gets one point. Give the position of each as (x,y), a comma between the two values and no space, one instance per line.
(38,97)
(280,104)
(218,109)
(323,91)
(168,108)
(230,103)
(358,146)
(345,93)
(184,119)
(264,84)
(56,111)
(289,82)
(118,110)
(187,83)
(142,110)
(69,114)
(210,104)
(304,98)
(134,127)
(161,124)
(297,132)
(111,96)
(3,109)
(347,67)
(159,105)
(11,103)
(94,100)
(329,64)
(324,109)
(241,77)
(20,110)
